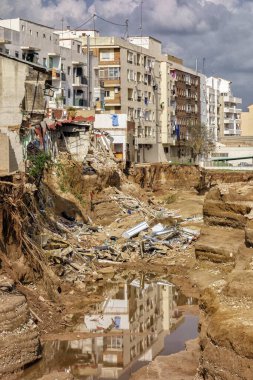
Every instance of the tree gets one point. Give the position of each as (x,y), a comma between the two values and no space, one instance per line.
(200,141)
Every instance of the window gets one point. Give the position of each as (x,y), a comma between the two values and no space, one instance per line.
(114,342)
(130,57)
(37,34)
(109,94)
(44,36)
(23,28)
(107,55)
(69,68)
(108,358)
(69,93)
(7,51)
(16,54)
(62,66)
(130,75)
(44,62)
(110,73)
(31,32)
(79,49)
(50,63)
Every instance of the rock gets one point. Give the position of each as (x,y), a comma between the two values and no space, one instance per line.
(249,233)
(57,376)
(107,270)
(19,338)
(6,284)
(236,287)
(219,245)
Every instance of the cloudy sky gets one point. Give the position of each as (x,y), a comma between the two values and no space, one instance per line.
(218,30)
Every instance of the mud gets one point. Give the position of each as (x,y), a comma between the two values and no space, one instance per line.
(216,269)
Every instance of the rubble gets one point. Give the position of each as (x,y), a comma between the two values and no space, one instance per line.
(71,256)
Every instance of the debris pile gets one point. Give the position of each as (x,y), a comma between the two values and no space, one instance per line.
(77,250)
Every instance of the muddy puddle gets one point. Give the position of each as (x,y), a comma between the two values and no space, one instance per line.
(136,322)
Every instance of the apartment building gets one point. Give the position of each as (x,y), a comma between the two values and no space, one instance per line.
(184,105)
(130,72)
(247,122)
(224,110)
(40,44)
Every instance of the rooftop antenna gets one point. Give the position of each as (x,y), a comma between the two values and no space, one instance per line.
(203,68)
(62,21)
(141,25)
(196,65)
(127,31)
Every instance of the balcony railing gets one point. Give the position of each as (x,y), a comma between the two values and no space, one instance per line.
(80,102)
(145,140)
(232,99)
(115,101)
(80,81)
(5,36)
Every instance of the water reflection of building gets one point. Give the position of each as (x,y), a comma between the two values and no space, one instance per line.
(131,326)
(136,320)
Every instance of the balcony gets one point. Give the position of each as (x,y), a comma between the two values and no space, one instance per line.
(55,74)
(108,82)
(80,81)
(232,99)
(229,121)
(116,101)
(232,132)
(5,36)
(114,62)
(80,102)
(145,140)
(78,63)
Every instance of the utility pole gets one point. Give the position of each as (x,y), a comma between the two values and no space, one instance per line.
(62,21)
(88,72)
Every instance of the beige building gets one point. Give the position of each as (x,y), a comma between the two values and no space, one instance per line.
(130,72)
(247,122)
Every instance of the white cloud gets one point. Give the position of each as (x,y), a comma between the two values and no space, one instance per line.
(114,8)
(50,14)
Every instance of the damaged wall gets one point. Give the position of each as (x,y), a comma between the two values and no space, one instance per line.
(8,162)
(21,98)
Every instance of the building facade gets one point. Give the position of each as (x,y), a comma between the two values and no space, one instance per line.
(247,122)
(64,57)
(130,72)
(185,106)
(224,110)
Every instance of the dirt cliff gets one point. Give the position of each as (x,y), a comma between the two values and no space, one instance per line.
(19,336)
(226,320)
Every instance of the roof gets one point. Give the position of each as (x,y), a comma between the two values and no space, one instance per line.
(34,65)
(78,120)
(36,23)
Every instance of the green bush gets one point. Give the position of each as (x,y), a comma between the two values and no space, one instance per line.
(38,162)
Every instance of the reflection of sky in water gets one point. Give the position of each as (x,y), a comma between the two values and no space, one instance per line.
(136,324)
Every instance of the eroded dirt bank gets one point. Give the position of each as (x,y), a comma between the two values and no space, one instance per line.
(46,258)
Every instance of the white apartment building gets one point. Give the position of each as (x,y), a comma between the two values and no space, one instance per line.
(65,59)
(224,110)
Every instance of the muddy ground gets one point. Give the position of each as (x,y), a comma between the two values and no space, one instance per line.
(48,312)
